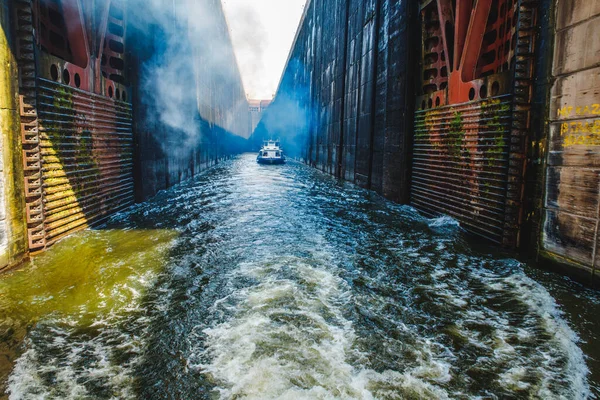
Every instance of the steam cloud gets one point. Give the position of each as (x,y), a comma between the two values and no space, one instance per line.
(192,77)
(290,117)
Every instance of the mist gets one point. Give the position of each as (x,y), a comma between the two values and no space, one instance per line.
(290,117)
(191,82)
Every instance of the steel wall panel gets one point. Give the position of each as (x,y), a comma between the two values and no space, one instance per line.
(77,145)
(461,163)
(473,118)
(86,155)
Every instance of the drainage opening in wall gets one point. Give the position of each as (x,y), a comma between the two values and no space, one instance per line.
(495,89)
(77,80)
(483,92)
(54,72)
(110,92)
(66,77)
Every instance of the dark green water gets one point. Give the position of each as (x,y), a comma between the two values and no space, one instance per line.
(277,282)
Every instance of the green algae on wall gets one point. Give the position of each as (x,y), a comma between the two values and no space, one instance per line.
(494,115)
(456,136)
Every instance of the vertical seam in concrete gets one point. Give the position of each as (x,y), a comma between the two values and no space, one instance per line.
(374,98)
(319,79)
(412,53)
(544,61)
(595,249)
(358,101)
(339,160)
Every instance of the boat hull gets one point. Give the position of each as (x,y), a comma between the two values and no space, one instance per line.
(270,161)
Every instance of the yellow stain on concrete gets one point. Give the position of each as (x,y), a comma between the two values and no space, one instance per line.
(11,160)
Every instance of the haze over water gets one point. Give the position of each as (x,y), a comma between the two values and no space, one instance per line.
(278,282)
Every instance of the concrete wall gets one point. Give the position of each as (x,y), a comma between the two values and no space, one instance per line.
(571,204)
(343,101)
(202,115)
(13,233)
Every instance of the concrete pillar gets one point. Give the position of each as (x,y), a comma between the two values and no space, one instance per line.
(13,229)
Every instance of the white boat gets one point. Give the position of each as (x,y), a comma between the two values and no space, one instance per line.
(270,153)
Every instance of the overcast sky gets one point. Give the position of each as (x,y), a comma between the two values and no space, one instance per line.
(262,32)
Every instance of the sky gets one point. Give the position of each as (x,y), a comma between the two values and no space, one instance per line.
(262,32)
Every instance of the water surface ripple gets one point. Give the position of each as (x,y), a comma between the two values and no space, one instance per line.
(278,282)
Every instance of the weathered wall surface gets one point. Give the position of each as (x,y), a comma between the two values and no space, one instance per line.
(447,106)
(190,107)
(93,113)
(13,233)
(472,124)
(381,97)
(342,104)
(572,174)
(76,127)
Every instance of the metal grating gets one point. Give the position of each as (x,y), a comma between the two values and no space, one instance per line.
(474,111)
(86,154)
(460,163)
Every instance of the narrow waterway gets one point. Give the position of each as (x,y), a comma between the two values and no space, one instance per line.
(278,282)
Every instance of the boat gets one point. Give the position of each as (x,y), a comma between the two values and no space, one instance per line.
(270,153)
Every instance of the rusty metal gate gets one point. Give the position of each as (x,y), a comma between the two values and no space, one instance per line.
(77,145)
(86,152)
(472,116)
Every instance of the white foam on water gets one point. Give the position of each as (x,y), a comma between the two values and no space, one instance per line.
(443,221)
(289,339)
(573,376)
(27,380)
(553,367)
(286,334)
(60,362)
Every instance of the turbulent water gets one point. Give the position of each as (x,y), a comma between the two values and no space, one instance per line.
(278,282)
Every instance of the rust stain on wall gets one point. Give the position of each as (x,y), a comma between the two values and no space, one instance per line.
(572,174)
(473,112)
(76,124)
(461,163)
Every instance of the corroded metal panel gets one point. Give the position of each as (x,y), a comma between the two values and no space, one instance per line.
(461,162)
(76,127)
(472,118)
(86,153)
(29,125)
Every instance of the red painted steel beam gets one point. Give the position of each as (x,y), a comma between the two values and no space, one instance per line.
(73,16)
(474,39)
(446,16)
(101,35)
(461,26)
